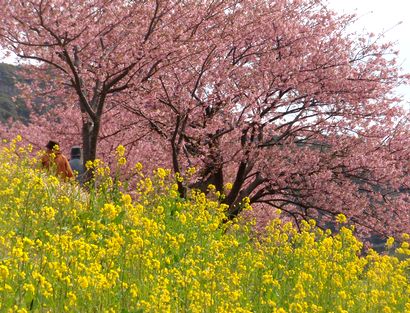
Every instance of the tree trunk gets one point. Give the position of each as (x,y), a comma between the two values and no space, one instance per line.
(90,131)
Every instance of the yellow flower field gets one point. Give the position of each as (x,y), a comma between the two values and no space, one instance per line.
(63,249)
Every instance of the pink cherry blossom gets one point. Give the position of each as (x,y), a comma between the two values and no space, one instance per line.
(274,97)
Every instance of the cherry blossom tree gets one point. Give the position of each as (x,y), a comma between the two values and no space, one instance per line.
(291,110)
(89,51)
(270,100)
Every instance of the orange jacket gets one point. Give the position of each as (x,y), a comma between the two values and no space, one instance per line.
(62,166)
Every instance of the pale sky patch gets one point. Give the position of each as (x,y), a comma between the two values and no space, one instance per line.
(390,17)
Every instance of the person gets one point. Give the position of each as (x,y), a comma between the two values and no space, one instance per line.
(76,163)
(60,162)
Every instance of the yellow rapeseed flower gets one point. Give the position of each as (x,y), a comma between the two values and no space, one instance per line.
(4,272)
(341,218)
(120,150)
(122,161)
(390,242)
(109,210)
(83,282)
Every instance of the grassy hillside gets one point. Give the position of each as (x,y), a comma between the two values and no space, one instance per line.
(63,249)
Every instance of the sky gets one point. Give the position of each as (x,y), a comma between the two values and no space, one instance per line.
(390,17)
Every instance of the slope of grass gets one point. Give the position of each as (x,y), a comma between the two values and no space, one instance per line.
(63,249)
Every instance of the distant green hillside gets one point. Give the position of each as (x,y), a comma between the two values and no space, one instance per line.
(8,90)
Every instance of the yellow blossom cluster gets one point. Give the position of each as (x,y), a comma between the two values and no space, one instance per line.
(64,249)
